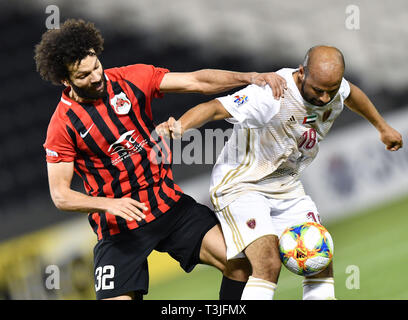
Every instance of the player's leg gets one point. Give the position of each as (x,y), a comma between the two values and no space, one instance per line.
(319,286)
(246,225)
(295,211)
(197,238)
(120,272)
(235,278)
(263,255)
(120,263)
(235,271)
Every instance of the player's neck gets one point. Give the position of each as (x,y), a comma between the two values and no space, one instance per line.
(298,83)
(74,96)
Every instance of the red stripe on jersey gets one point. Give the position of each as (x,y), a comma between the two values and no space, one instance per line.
(170,175)
(170,191)
(163,207)
(134,224)
(95,217)
(167,152)
(112,224)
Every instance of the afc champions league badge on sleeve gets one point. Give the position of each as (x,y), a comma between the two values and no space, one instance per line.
(240,100)
(120,103)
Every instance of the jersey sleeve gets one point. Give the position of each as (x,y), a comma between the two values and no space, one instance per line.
(253,106)
(59,146)
(344,89)
(146,77)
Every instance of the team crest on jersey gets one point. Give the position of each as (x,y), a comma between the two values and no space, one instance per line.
(239,100)
(121,104)
(251,223)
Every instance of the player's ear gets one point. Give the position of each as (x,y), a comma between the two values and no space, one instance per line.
(65,82)
(301,72)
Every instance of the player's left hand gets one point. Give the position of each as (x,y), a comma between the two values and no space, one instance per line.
(276,82)
(391,138)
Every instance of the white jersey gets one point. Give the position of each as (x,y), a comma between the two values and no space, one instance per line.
(272,141)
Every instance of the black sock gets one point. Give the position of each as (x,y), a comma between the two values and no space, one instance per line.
(231,289)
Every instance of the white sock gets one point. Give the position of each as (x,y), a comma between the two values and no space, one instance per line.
(318,289)
(258,289)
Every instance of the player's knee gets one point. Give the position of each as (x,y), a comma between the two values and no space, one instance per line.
(213,251)
(267,269)
(238,269)
(263,255)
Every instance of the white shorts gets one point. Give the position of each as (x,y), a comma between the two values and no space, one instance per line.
(253,215)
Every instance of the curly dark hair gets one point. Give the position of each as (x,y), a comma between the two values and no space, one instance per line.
(59,48)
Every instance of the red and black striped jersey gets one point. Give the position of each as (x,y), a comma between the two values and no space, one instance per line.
(111,144)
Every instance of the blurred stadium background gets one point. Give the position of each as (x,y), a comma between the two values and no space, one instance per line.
(361,190)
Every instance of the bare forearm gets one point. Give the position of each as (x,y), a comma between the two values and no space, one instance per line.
(203,113)
(206,81)
(70,200)
(66,199)
(362,105)
(212,81)
(127,208)
(215,81)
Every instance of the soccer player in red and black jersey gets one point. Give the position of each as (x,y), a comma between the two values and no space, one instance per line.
(102,130)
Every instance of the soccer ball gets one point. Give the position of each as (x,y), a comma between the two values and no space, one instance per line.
(306,249)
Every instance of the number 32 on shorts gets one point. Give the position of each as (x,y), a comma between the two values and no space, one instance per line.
(103,278)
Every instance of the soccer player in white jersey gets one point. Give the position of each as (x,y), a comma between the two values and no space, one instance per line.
(255,185)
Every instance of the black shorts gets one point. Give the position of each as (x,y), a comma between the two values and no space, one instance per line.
(120,262)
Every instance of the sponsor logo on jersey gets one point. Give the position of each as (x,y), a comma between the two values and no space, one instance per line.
(127,145)
(239,100)
(51,153)
(121,104)
(291,120)
(84,134)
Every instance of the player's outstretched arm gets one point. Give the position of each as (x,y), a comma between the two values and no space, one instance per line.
(212,81)
(60,176)
(194,118)
(358,102)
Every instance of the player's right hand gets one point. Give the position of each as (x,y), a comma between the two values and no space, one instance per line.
(275,81)
(127,208)
(170,128)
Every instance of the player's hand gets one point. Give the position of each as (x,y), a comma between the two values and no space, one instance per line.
(276,82)
(171,128)
(127,208)
(391,138)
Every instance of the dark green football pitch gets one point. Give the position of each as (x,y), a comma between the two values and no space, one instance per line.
(370,262)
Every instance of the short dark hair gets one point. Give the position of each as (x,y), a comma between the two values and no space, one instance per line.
(60,47)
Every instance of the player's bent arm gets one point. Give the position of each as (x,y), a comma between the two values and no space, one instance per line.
(59,178)
(203,113)
(358,102)
(212,81)
(194,118)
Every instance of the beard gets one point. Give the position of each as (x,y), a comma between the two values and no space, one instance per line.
(91,93)
(309,98)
